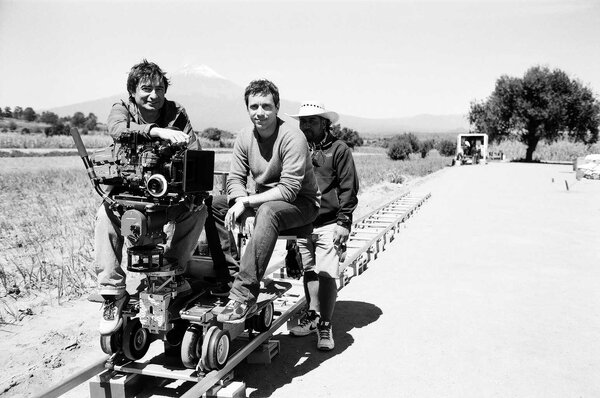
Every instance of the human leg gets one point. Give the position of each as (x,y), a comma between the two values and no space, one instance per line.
(187,226)
(219,240)
(327,268)
(271,218)
(108,243)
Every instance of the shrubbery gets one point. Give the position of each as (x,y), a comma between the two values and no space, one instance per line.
(399,149)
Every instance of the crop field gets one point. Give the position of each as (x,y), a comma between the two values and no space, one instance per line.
(48,211)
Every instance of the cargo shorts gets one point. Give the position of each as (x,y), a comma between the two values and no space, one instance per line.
(319,254)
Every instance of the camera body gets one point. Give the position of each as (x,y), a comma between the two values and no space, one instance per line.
(145,178)
(155,172)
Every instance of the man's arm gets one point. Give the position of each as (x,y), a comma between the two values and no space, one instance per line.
(237,179)
(347,193)
(120,120)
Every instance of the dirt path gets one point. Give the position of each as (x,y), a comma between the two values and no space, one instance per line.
(490,290)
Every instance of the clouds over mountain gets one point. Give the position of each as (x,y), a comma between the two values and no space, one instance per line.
(213,101)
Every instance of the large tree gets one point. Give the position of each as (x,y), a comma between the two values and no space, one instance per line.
(542,105)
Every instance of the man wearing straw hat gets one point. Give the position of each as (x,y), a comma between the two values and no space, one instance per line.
(323,255)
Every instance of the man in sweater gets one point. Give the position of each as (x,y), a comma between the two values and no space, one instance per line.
(323,255)
(286,193)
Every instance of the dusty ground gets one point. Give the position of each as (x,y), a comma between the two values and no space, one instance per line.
(490,290)
(56,340)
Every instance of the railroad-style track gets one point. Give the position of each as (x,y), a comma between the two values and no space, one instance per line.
(370,235)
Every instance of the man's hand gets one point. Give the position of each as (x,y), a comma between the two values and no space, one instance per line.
(340,235)
(233,214)
(175,136)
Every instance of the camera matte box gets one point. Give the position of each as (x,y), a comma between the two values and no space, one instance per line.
(198,171)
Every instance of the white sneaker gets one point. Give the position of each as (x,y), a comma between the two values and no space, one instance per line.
(112,308)
(325,336)
(306,325)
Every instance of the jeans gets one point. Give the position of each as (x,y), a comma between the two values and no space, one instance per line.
(183,231)
(221,242)
(270,219)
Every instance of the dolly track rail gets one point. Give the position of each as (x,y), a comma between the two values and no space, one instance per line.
(370,234)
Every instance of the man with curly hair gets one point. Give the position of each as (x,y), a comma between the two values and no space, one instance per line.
(147,114)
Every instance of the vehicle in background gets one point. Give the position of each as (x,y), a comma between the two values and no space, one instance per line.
(588,167)
(471,149)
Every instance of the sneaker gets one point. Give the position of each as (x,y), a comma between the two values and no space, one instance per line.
(325,336)
(221,290)
(306,325)
(112,308)
(236,312)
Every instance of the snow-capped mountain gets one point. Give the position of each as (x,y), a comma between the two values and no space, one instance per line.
(211,100)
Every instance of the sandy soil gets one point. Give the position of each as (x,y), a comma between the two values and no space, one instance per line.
(490,290)
(57,339)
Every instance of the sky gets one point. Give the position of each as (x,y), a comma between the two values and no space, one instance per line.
(374,59)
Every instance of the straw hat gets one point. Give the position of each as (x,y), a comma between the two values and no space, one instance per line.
(315,108)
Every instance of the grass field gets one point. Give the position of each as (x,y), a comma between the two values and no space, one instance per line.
(49,206)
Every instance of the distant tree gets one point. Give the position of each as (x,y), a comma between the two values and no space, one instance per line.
(446,147)
(29,114)
(49,117)
(25,130)
(348,135)
(8,112)
(426,146)
(400,149)
(78,119)
(211,133)
(542,105)
(415,143)
(12,125)
(91,121)
(18,112)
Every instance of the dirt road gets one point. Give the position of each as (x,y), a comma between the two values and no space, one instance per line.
(490,291)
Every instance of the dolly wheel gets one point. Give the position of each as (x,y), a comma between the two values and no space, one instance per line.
(218,348)
(262,321)
(136,340)
(191,346)
(110,343)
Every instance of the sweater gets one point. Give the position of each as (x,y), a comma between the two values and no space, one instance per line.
(281,161)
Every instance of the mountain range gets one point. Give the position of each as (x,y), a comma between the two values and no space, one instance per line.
(213,101)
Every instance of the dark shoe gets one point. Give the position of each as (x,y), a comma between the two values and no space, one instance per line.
(306,325)
(237,312)
(221,290)
(293,260)
(325,336)
(112,308)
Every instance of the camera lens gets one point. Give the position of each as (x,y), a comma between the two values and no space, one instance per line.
(156,185)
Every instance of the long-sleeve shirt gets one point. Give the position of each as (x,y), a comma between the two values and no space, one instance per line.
(125,116)
(281,161)
(338,182)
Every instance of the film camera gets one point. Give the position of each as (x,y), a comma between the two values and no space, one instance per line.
(141,180)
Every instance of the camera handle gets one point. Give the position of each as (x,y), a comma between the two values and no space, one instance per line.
(90,168)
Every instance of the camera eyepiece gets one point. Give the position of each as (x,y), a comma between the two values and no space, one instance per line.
(157,185)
